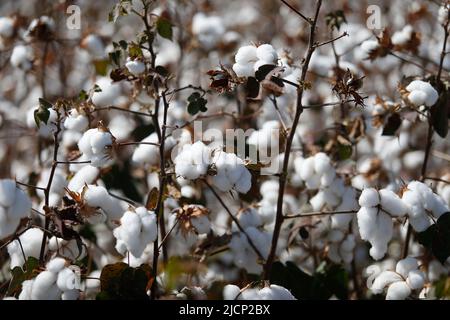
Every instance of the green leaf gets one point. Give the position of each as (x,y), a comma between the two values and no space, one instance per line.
(440,113)
(328,280)
(344,151)
(115,57)
(437,238)
(196,103)
(263,71)
(121,282)
(101,67)
(83,95)
(44,103)
(164,28)
(41,114)
(19,275)
(135,51)
(252,88)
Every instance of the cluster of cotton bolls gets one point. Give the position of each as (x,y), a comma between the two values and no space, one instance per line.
(423,205)
(96,146)
(193,162)
(250,58)
(30,243)
(58,281)
(14,205)
(399,283)
(137,229)
(375,218)
(318,173)
(271,292)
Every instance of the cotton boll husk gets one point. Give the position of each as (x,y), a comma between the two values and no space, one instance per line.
(7,192)
(86,175)
(415,279)
(230,292)
(384,279)
(398,291)
(369,198)
(405,266)
(392,203)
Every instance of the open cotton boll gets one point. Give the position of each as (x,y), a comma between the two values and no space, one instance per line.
(398,291)
(6,27)
(45,130)
(230,292)
(98,197)
(415,279)
(383,280)
(94,45)
(136,231)
(275,292)
(208,29)
(86,175)
(322,163)
(56,265)
(7,192)
(392,203)
(406,265)
(201,224)
(369,198)
(369,46)
(109,94)
(266,53)
(193,160)
(243,70)
(402,37)
(76,121)
(67,248)
(31,245)
(44,287)
(231,173)
(135,67)
(422,93)
(68,280)
(96,145)
(145,153)
(246,55)
(22,57)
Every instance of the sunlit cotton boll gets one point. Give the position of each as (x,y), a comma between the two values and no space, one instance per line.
(22,57)
(30,243)
(135,67)
(193,160)
(231,173)
(422,93)
(96,145)
(136,231)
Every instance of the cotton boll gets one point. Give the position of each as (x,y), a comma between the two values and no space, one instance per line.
(398,291)
(246,55)
(392,203)
(76,121)
(369,46)
(6,27)
(230,292)
(415,279)
(22,57)
(56,265)
(193,161)
(96,145)
(86,175)
(267,53)
(109,94)
(366,222)
(208,29)
(422,93)
(135,67)
(243,70)
(7,192)
(231,173)
(27,288)
(31,246)
(136,231)
(147,154)
(44,287)
(369,198)
(275,292)
(68,280)
(318,201)
(405,266)
(322,163)
(201,224)
(94,45)
(307,168)
(384,279)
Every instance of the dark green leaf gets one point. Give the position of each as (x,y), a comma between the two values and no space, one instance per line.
(252,88)
(344,151)
(19,275)
(263,71)
(164,28)
(437,238)
(392,125)
(41,114)
(83,96)
(196,103)
(115,57)
(440,113)
(101,67)
(44,103)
